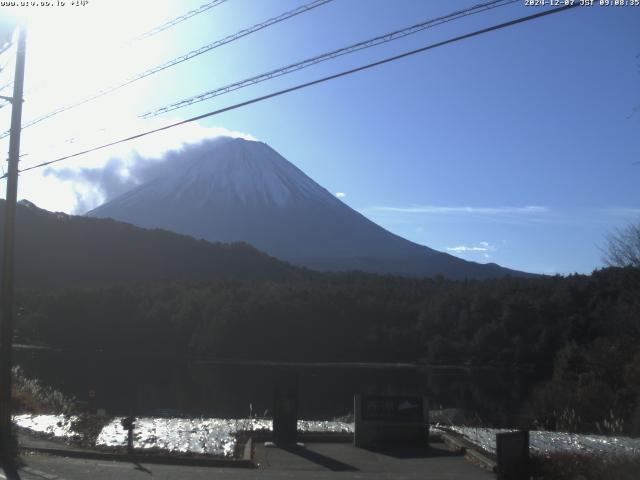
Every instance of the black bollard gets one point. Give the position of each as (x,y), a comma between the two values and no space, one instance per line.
(285,408)
(91,404)
(512,450)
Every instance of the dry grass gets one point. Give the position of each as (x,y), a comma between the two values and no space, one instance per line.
(576,466)
(30,396)
(89,427)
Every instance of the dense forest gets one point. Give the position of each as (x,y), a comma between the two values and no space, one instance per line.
(580,334)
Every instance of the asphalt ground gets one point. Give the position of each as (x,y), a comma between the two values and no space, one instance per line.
(334,460)
(312,462)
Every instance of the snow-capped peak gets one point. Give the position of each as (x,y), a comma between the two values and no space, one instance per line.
(248,171)
(241,190)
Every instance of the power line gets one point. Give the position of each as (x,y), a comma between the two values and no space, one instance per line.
(307,84)
(6,63)
(297,66)
(5,47)
(9,84)
(180,59)
(3,68)
(181,18)
(153,31)
(372,42)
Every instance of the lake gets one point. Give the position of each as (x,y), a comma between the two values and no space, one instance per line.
(145,385)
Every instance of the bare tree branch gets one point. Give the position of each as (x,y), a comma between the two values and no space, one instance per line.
(623,247)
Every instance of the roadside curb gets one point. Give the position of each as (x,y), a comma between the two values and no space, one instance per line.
(326,438)
(471,454)
(309,437)
(485,462)
(244,462)
(247,454)
(453,442)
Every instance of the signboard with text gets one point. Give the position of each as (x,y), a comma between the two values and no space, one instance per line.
(390,419)
(392,409)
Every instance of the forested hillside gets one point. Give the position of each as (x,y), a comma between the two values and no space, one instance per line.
(57,250)
(580,333)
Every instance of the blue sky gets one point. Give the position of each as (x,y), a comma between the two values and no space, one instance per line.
(515,147)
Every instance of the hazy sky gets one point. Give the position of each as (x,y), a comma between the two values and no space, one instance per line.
(519,147)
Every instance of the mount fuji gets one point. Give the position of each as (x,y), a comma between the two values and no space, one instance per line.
(241,190)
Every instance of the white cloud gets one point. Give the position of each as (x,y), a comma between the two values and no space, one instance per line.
(154,145)
(467,248)
(49,189)
(433,209)
(526,214)
(55,80)
(341,194)
(500,214)
(481,248)
(624,212)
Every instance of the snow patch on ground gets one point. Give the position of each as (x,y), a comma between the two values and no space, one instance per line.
(543,442)
(211,436)
(204,436)
(208,436)
(216,436)
(58,426)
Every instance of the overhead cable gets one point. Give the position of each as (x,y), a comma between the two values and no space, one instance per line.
(387,37)
(307,84)
(177,60)
(181,18)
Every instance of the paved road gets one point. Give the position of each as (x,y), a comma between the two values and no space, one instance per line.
(314,461)
(44,467)
(339,460)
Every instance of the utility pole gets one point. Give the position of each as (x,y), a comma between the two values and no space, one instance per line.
(7,310)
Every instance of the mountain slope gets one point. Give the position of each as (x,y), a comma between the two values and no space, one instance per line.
(56,250)
(242,190)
